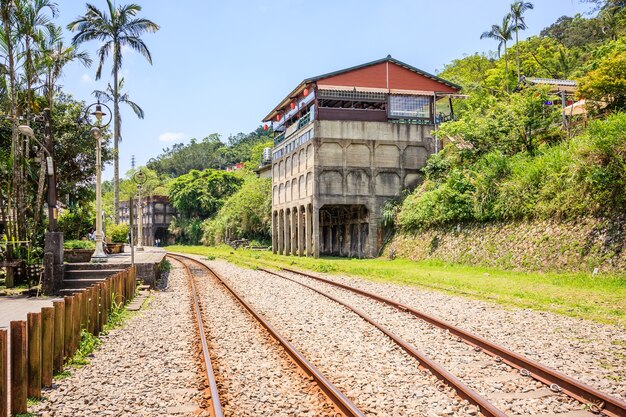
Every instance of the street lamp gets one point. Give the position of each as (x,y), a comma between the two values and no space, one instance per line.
(47,148)
(140,178)
(99,255)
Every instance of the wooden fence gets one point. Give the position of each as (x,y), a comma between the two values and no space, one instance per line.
(41,344)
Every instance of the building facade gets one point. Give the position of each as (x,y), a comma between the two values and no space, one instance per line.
(346,143)
(157,216)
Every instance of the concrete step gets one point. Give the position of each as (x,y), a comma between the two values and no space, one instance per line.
(80,283)
(88,266)
(70,291)
(90,274)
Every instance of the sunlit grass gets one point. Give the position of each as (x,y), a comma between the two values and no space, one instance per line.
(601,298)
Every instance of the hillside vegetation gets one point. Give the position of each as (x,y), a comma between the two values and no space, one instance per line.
(508,155)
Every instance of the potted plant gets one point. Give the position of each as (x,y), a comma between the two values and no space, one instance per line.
(118,235)
(78,250)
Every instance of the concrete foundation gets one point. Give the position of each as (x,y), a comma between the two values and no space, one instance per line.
(332,180)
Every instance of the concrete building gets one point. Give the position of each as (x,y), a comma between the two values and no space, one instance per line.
(344,144)
(157,215)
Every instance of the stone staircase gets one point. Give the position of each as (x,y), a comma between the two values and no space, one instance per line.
(79,276)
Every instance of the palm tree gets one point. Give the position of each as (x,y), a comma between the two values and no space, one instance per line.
(32,24)
(502,34)
(55,56)
(108,95)
(517,13)
(116,27)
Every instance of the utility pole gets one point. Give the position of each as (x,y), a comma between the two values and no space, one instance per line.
(53,213)
(53,242)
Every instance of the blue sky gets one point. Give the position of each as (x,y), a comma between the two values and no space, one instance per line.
(221,66)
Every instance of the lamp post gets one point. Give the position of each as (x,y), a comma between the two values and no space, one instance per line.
(99,255)
(53,242)
(140,179)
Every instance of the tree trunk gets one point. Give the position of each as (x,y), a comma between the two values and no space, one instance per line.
(116,140)
(506,63)
(517,51)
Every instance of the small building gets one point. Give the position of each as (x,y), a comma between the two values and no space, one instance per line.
(344,144)
(157,216)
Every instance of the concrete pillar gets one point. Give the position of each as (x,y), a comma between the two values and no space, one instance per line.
(309,231)
(371,251)
(301,235)
(316,232)
(287,238)
(294,231)
(274,232)
(281,232)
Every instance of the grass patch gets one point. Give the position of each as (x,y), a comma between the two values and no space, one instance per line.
(166,266)
(62,375)
(601,298)
(32,401)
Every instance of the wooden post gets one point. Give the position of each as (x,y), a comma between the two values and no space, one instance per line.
(19,367)
(119,297)
(4,374)
(98,300)
(83,310)
(34,355)
(76,320)
(67,339)
(47,345)
(59,334)
(93,306)
(88,304)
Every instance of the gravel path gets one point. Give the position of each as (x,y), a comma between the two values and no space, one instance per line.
(498,382)
(255,376)
(591,352)
(380,378)
(146,368)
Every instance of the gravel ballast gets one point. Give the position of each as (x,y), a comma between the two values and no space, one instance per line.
(255,377)
(499,383)
(378,376)
(591,352)
(148,367)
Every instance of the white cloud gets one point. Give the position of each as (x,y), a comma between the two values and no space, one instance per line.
(171,136)
(86,78)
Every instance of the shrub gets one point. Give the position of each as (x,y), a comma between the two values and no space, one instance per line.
(79,244)
(119,233)
(581,176)
(75,223)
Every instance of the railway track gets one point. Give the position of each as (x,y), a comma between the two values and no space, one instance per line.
(551,384)
(339,403)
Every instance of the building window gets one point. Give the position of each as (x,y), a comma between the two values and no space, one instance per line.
(413,107)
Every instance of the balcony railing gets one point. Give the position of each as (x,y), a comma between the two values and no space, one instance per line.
(302,122)
(279,138)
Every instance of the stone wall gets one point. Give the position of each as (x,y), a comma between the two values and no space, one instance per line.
(580,245)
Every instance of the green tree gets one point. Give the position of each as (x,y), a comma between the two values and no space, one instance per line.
(200,194)
(54,58)
(246,214)
(109,94)
(116,27)
(502,34)
(518,9)
(606,83)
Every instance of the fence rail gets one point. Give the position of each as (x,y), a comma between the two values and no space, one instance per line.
(41,344)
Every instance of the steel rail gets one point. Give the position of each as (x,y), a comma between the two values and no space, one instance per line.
(465,392)
(343,403)
(215,405)
(596,400)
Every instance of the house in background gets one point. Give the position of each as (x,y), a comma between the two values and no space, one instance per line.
(344,144)
(157,216)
